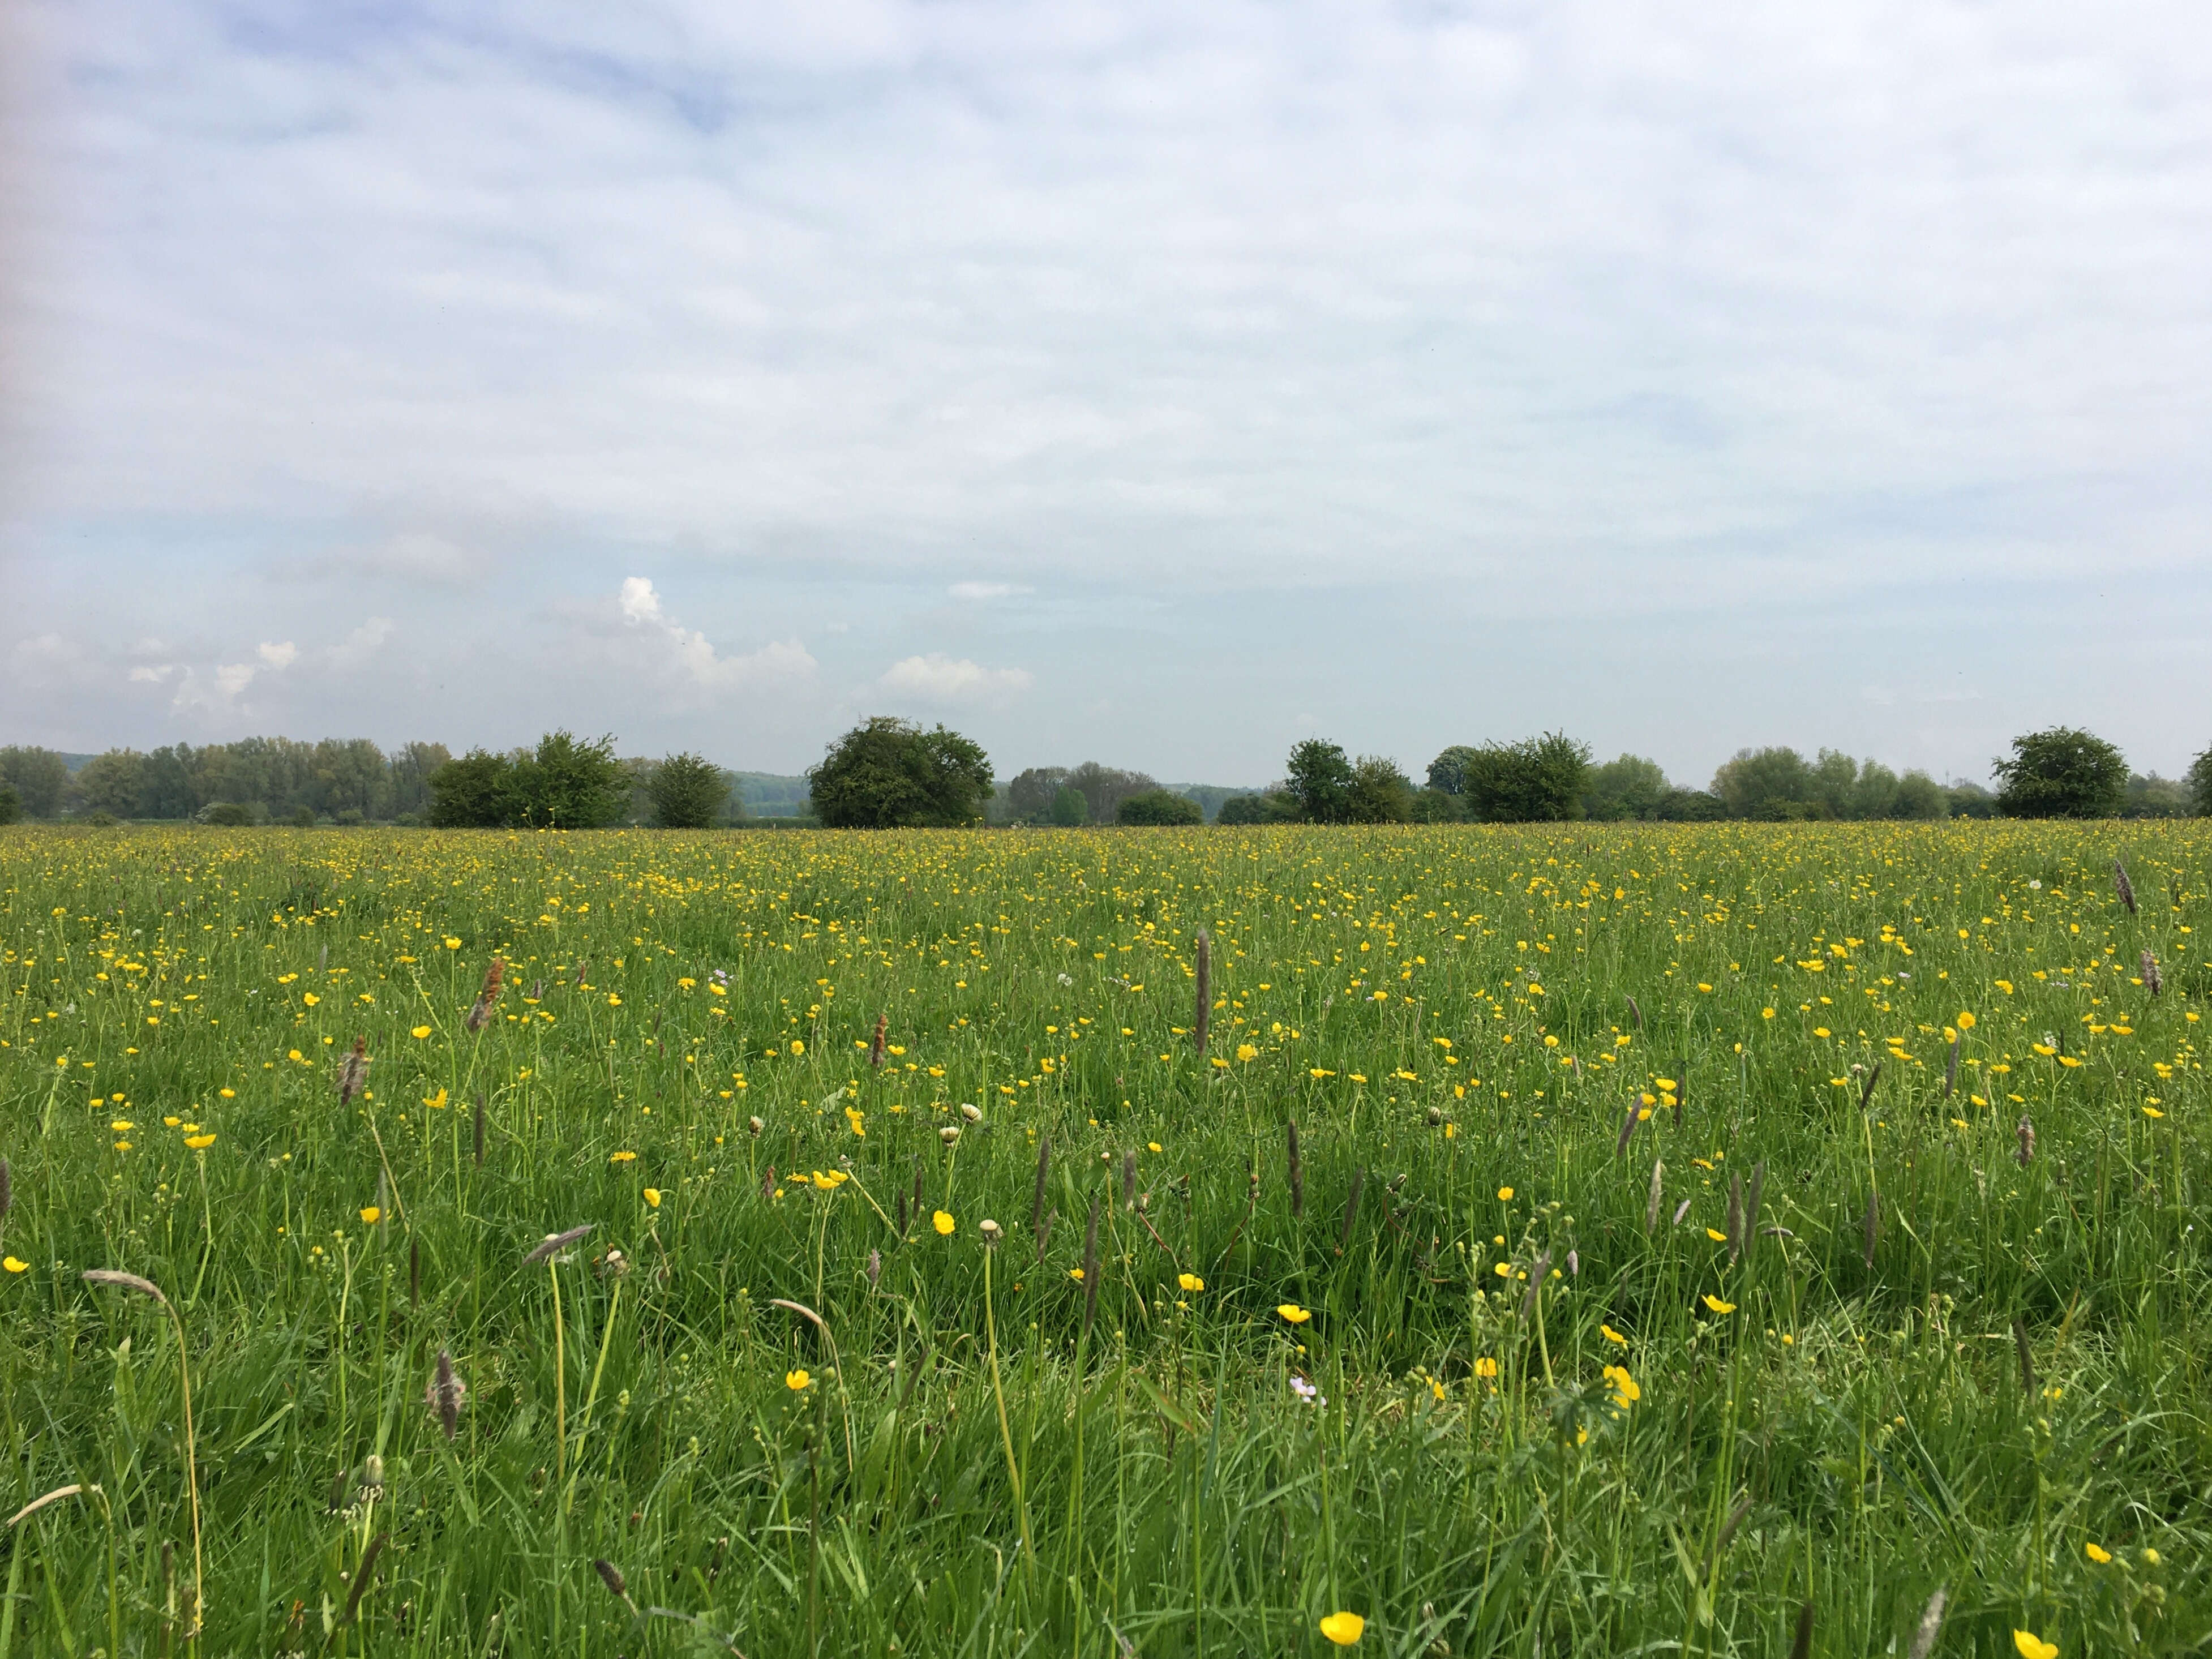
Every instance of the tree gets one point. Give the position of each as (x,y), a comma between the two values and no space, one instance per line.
(11,804)
(1104,789)
(1319,782)
(1919,796)
(687,792)
(1432,806)
(1628,787)
(567,784)
(1448,771)
(1159,807)
(470,792)
(1381,791)
(1765,783)
(1030,796)
(226,814)
(2155,797)
(887,773)
(1689,806)
(2198,777)
(111,782)
(1276,806)
(39,777)
(1968,800)
(1069,811)
(2061,772)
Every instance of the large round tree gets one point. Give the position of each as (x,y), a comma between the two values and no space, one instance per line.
(2061,773)
(889,774)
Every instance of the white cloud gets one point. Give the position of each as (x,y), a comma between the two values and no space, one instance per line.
(364,642)
(688,655)
(280,654)
(937,678)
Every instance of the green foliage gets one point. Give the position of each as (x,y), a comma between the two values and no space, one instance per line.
(1274,807)
(1380,791)
(1159,807)
(887,774)
(228,814)
(112,783)
(1319,782)
(1030,796)
(1918,797)
(1689,806)
(2155,797)
(39,777)
(1629,786)
(2199,780)
(1538,780)
(1969,800)
(1433,805)
(2061,772)
(687,792)
(1069,811)
(1104,789)
(562,784)
(1774,784)
(11,804)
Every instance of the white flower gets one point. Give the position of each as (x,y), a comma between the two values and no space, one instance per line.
(1307,1392)
(1066,980)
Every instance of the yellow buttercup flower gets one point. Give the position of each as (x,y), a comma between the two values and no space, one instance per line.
(797,1380)
(1343,1628)
(1719,1306)
(1190,1281)
(1486,1369)
(653,1197)
(1295,1314)
(1245,1051)
(944,1223)
(420,1031)
(2033,1646)
(15,1266)
(1612,1335)
(1505,1195)
(1717,1236)
(2099,1556)
(1966,1022)
(199,1143)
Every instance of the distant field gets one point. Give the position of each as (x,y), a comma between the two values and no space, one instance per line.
(1685,1225)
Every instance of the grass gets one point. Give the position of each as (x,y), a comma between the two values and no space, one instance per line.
(769,1404)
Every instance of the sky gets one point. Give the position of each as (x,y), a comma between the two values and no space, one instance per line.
(1147,383)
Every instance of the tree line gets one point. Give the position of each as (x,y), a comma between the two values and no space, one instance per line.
(887,773)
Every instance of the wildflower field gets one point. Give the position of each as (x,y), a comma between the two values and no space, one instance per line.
(1547,1241)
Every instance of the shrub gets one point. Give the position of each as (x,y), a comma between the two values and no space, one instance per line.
(1068,810)
(2061,772)
(687,792)
(228,814)
(1159,807)
(562,784)
(1536,780)
(1434,805)
(887,773)
(1689,806)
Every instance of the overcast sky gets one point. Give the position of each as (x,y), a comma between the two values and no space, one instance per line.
(1154,384)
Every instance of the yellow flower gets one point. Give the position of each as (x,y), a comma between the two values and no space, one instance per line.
(436,1103)
(370,1215)
(1820,1031)
(831,1182)
(16,1266)
(452,944)
(1486,1368)
(2033,1646)
(1505,1195)
(2099,1556)
(653,1197)
(1717,1237)
(1190,1281)
(310,999)
(1966,1022)
(122,1126)
(622,1157)
(1075,1274)
(1246,1051)
(1346,1628)
(199,1143)
(854,1116)
(944,1223)
(419,1032)
(1612,1335)
(1626,1391)
(1719,1306)
(798,1046)
(1295,1314)
(797,1380)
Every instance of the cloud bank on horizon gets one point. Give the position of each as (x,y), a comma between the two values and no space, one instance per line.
(1110,381)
